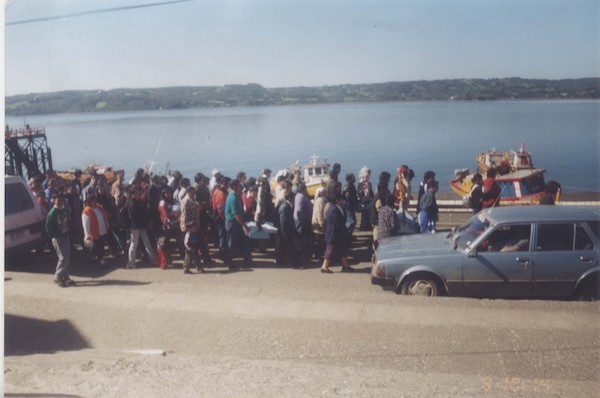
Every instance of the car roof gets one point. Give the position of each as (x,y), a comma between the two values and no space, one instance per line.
(538,213)
(12,179)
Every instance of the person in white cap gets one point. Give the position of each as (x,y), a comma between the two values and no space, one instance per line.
(213,181)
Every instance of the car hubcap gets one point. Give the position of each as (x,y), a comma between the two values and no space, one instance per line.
(422,288)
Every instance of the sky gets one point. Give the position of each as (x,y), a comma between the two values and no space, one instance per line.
(55,45)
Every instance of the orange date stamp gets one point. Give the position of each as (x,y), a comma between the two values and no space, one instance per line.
(516,385)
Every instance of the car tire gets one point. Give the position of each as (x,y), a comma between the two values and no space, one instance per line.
(421,285)
(589,290)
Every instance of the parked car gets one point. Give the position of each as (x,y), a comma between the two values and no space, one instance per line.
(23,217)
(512,251)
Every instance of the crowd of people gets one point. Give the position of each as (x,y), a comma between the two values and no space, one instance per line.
(153,218)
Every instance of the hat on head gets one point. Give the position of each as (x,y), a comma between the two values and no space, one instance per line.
(266,171)
(215,172)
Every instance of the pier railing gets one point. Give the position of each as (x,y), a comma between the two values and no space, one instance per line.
(26,151)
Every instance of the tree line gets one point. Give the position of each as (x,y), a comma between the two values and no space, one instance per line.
(83,101)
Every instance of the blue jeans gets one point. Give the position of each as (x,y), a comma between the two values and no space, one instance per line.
(136,236)
(222,234)
(426,222)
(350,221)
(237,239)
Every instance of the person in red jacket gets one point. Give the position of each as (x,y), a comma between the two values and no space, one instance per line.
(95,227)
(490,192)
(219,197)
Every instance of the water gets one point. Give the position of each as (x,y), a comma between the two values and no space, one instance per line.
(440,136)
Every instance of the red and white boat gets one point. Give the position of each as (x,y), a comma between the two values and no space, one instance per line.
(520,181)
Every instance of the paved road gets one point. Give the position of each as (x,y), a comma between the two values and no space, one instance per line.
(282,332)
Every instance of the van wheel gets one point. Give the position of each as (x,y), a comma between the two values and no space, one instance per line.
(418,285)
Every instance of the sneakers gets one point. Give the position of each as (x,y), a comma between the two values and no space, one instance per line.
(130,266)
(187,271)
(61,282)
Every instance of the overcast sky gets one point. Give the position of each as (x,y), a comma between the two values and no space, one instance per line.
(53,45)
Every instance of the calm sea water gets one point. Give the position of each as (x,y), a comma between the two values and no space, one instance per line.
(441,136)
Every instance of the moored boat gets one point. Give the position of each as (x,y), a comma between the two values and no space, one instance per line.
(110,174)
(519,180)
(315,174)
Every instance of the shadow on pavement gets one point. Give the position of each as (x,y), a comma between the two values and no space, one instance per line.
(26,336)
(107,282)
(44,262)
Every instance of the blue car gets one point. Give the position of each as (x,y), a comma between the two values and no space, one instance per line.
(504,252)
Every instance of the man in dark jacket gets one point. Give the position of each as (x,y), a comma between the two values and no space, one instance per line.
(153,198)
(138,218)
(336,235)
(351,200)
(285,246)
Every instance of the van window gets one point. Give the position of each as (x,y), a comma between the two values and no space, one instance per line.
(17,199)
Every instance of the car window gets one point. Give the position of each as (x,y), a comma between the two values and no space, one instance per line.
(17,199)
(595,227)
(583,241)
(507,238)
(555,237)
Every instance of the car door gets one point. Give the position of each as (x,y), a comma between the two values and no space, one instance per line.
(563,252)
(490,272)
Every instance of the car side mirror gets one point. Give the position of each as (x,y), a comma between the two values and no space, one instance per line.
(473,252)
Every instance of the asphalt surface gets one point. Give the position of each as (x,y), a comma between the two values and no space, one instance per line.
(270,331)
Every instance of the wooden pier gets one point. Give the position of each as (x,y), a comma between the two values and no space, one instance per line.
(26,152)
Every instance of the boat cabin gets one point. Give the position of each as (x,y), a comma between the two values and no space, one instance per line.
(316,169)
(521,184)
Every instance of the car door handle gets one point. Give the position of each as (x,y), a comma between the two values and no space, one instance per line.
(524,261)
(586,259)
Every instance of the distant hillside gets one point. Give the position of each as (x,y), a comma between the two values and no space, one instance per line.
(256,95)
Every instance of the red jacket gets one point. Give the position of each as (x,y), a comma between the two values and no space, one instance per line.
(490,192)
(91,224)
(219,198)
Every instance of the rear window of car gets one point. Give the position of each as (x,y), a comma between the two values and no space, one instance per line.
(17,199)
(563,237)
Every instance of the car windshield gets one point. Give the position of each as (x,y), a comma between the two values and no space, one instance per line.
(470,231)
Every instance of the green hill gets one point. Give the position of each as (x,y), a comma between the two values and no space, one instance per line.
(255,95)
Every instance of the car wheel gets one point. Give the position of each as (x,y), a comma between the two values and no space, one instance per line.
(589,290)
(418,285)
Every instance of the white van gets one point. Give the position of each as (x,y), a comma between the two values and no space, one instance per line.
(24,218)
